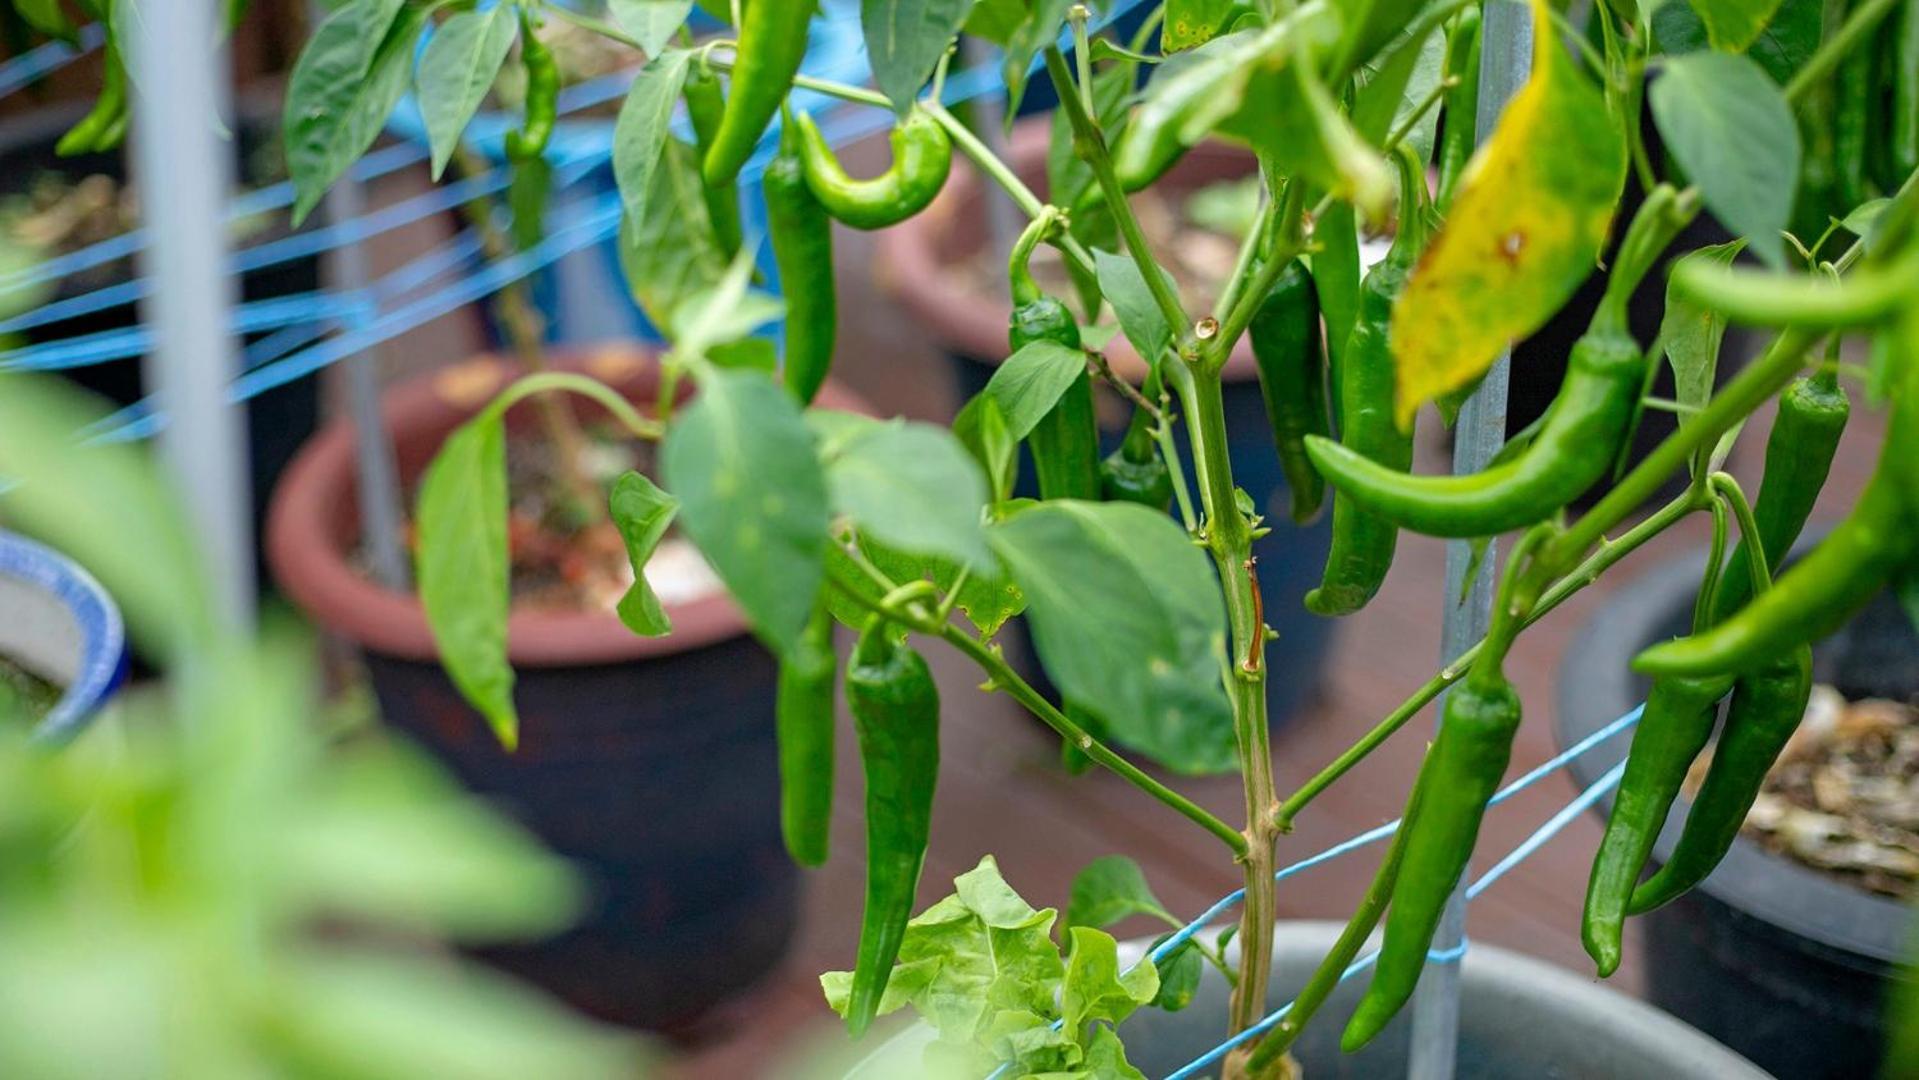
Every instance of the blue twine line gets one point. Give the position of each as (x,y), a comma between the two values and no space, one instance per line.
(1448,956)
(43,60)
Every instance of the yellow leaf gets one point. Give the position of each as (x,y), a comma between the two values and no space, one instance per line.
(1524,230)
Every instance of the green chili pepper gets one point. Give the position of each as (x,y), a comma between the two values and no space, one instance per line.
(105,126)
(771,46)
(895,709)
(542,94)
(1459,777)
(1905,91)
(922,156)
(1065,442)
(1336,282)
(1851,136)
(1766,708)
(1574,448)
(1292,378)
(802,237)
(1805,436)
(1462,102)
(1877,541)
(1136,472)
(804,721)
(705,106)
(1362,544)
(1673,728)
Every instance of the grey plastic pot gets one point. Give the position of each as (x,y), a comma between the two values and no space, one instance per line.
(1781,962)
(1519,1017)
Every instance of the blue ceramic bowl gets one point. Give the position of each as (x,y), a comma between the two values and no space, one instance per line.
(61,625)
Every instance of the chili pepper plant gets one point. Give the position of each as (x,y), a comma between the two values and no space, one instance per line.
(1794,125)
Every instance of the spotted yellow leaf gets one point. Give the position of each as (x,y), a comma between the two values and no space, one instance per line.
(1524,230)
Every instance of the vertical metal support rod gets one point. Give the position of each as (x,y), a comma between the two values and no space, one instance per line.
(184,170)
(1506,59)
(381,515)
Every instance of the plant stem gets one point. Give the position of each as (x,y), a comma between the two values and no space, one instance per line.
(586,386)
(524,329)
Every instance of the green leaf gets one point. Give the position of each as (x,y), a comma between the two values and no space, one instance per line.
(46,16)
(1039,28)
(996,20)
(1139,316)
(669,254)
(1068,179)
(986,597)
(753,500)
(1111,889)
(1730,129)
(1733,25)
(1781,48)
(641,133)
(462,59)
(1401,81)
(462,567)
(1127,618)
(1095,989)
(1179,974)
(912,487)
(344,86)
(905,38)
(1693,333)
(1026,387)
(642,513)
(650,22)
(1196,22)
(723,313)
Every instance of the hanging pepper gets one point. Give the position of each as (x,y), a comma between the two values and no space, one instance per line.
(1461,117)
(1362,544)
(105,125)
(542,94)
(1065,442)
(1458,779)
(772,44)
(895,709)
(1799,452)
(1336,283)
(803,720)
(802,237)
(1853,94)
(1767,706)
(1136,472)
(922,157)
(1905,90)
(704,107)
(1292,378)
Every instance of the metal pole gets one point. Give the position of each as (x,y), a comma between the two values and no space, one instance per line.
(1505,60)
(184,171)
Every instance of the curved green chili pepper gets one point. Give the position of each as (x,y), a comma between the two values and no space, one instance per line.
(1292,379)
(1875,543)
(1767,706)
(1363,543)
(922,156)
(1459,777)
(542,95)
(704,107)
(1462,102)
(1805,436)
(1673,727)
(802,237)
(1065,442)
(896,710)
(803,719)
(772,44)
(1574,448)
(1136,472)
(105,125)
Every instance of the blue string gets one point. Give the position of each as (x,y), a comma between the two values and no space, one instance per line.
(43,60)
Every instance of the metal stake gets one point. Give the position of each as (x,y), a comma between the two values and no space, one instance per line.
(1506,59)
(184,170)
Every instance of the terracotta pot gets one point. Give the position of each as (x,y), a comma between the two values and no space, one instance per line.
(650,762)
(915,262)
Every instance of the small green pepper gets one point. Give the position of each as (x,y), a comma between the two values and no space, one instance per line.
(105,125)
(542,94)
(1065,442)
(1292,379)
(922,157)
(772,44)
(803,719)
(705,107)
(802,237)
(896,711)
(1136,472)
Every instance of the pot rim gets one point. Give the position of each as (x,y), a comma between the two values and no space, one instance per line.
(308,547)
(1751,880)
(911,268)
(103,637)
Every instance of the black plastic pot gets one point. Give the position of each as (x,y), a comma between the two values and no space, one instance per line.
(279,420)
(1784,964)
(1518,1017)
